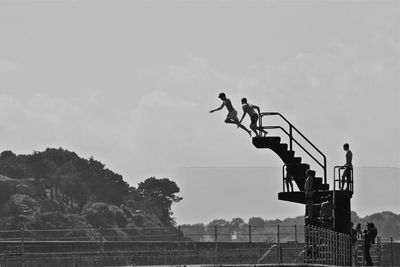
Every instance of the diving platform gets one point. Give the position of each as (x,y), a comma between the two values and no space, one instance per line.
(294,171)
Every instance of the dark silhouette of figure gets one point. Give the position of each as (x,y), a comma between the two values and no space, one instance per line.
(289,181)
(326,212)
(348,166)
(369,238)
(309,193)
(358,230)
(232,113)
(353,239)
(254,113)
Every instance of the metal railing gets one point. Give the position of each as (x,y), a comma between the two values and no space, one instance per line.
(292,139)
(212,244)
(324,246)
(342,182)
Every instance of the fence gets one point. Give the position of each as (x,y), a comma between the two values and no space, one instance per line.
(325,246)
(172,245)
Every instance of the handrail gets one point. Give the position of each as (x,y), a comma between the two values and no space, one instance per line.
(291,138)
(350,184)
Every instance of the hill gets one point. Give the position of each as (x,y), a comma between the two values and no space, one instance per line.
(57,189)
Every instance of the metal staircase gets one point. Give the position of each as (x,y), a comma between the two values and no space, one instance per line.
(295,166)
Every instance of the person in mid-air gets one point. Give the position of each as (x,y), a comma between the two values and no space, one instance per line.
(254,114)
(232,113)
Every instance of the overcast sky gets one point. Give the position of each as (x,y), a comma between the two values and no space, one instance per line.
(131,83)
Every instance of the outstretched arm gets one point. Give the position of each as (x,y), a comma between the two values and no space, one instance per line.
(223,104)
(244,114)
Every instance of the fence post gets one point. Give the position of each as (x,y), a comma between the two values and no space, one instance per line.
(391,250)
(295,238)
(379,250)
(101,246)
(279,243)
(363,252)
(23,246)
(216,243)
(249,233)
(179,245)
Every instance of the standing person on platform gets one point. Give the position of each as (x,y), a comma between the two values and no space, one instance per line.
(348,167)
(309,193)
(232,113)
(254,114)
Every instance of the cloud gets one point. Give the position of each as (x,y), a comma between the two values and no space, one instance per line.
(8,66)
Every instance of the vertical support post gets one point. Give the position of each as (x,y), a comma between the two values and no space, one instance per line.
(295,238)
(291,137)
(216,243)
(279,244)
(305,255)
(379,250)
(249,233)
(23,246)
(325,174)
(179,246)
(363,252)
(101,246)
(283,178)
(391,251)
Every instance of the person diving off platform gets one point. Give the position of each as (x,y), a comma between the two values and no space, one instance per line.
(254,113)
(232,113)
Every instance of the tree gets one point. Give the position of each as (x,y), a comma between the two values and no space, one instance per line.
(163,192)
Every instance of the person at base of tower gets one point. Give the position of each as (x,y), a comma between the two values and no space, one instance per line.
(232,113)
(326,212)
(254,113)
(369,238)
(353,241)
(348,167)
(309,193)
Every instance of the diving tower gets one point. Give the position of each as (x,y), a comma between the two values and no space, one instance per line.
(296,167)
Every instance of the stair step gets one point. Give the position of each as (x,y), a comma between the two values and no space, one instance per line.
(294,160)
(266,142)
(289,154)
(298,170)
(283,147)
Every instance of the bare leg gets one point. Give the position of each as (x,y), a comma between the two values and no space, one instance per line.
(253,127)
(238,125)
(244,128)
(262,130)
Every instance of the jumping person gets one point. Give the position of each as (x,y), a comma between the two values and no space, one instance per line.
(254,114)
(232,113)
(348,166)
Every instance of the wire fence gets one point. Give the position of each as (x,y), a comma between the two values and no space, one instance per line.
(170,246)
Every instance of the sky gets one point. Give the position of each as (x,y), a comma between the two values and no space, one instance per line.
(131,83)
